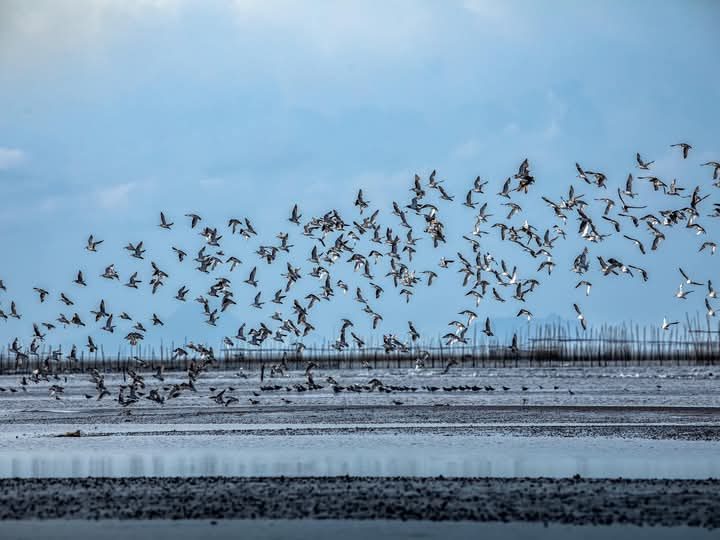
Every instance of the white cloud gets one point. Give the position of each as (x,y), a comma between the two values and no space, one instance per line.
(469,149)
(11,157)
(352,32)
(213,182)
(558,111)
(116,196)
(498,17)
(43,30)
(333,28)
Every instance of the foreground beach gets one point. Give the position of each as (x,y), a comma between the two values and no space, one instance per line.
(623,450)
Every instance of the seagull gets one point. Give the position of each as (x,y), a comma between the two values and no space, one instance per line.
(580,317)
(108,326)
(716,168)
(42,292)
(431,275)
(688,281)
(80,280)
(666,325)
(295,215)
(637,242)
(468,200)
(471,315)
(110,273)
(710,310)
(251,279)
(642,271)
(478,185)
(414,335)
(182,293)
(136,251)
(180,253)
(100,313)
(581,173)
(712,293)
(514,344)
(645,165)
(194,219)
(249,227)
(685,148)
(257,303)
(361,203)
(164,223)
(487,330)
(711,245)
(681,293)
(92,244)
(585,284)
(133,281)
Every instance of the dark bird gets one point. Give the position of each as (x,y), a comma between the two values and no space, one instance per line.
(685,148)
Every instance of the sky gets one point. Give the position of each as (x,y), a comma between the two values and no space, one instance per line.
(115,110)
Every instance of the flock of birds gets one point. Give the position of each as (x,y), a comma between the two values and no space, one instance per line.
(484,277)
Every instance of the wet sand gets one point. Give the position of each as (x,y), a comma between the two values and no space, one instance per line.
(575,501)
(642,428)
(328,529)
(452,412)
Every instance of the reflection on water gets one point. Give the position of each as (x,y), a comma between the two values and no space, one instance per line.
(614,458)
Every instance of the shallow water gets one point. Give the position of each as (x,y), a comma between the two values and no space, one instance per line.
(361,454)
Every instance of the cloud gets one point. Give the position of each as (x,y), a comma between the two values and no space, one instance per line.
(333,28)
(102,199)
(558,110)
(469,149)
(117,196)
(498,17)
(213,182)
(511,128)
(10,158)
(33,34)
(39,31)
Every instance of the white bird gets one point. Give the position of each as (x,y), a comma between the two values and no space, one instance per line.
(712,293)
(580,317)
(587,286)
(710,310)
(688,281)
(682,293)
(666,325)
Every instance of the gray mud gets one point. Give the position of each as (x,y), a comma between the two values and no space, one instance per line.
(574,501)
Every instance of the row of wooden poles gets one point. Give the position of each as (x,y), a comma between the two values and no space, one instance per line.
(548,345)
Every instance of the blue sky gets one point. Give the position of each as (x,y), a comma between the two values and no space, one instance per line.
(113,111)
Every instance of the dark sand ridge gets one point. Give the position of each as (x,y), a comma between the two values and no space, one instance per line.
(363,414)
(575,501)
